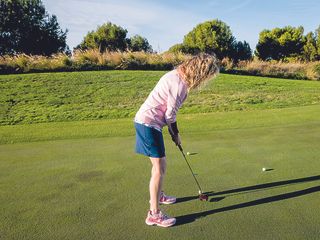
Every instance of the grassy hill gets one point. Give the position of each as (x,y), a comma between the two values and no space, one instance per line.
(56,97)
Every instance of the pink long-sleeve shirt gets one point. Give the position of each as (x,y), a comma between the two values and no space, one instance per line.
(164,101)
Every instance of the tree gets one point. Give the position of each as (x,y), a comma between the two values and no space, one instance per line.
(26,27)
(214,37)
(280,43)
(318,41)
(180,47)
(107,37)
(310,48)
(211,37)
(241,51)
(138,43)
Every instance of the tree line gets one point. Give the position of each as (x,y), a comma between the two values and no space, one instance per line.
(26,27)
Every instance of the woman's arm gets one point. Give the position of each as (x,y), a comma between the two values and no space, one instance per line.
(176,96)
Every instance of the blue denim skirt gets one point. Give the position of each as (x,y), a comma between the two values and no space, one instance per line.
(149,141)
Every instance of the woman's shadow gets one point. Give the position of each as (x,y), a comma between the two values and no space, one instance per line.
(192,217)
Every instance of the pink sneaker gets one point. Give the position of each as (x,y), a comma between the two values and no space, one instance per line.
(166,199)
(159,219)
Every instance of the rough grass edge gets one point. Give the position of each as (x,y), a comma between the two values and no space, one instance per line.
(90,60)
(275,69)
(94,60)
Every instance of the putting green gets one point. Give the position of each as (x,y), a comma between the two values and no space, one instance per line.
(97,188)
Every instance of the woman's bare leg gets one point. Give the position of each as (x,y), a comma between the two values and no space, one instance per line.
(155,186)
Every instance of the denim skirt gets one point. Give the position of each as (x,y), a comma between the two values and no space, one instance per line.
(149,141)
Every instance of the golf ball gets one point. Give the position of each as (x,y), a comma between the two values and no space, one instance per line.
(200,192)
(264,169)
(188,153)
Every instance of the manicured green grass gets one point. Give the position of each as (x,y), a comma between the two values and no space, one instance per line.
(97,188)
(187,122)
(55,97)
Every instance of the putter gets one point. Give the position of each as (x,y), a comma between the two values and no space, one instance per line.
(202,196)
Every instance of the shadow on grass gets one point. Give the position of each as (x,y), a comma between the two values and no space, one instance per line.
(194,216)
(184,219)
(192,153)
(269,169)
(258,187)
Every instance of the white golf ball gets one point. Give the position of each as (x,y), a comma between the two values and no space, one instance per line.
(200,192)
(264,169)
(188,153)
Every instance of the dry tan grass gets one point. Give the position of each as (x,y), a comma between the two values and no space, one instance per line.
(93,59)
(313,71)
(122,60)
(26,63)
(90,59)
(296,70)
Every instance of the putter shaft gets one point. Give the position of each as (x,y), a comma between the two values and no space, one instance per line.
(184,156)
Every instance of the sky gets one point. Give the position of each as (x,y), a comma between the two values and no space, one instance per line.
(165,23)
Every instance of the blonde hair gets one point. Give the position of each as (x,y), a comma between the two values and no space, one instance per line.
(198,70)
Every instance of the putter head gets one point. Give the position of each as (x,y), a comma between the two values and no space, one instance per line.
(203,197)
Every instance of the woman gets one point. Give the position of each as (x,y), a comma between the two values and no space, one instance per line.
(159,110)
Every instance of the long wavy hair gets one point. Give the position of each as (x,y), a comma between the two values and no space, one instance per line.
(198,70)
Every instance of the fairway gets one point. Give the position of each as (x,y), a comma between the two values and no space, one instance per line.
(95,187)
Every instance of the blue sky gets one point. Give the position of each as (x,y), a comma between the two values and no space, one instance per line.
(165,22)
